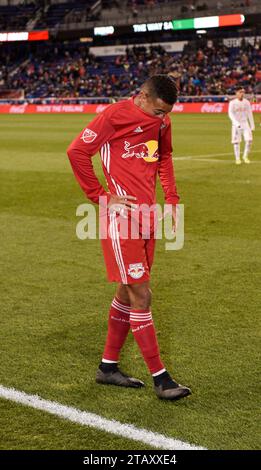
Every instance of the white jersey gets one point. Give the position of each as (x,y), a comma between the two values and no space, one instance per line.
(240,113)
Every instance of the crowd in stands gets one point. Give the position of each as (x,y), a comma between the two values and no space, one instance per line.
(70,70)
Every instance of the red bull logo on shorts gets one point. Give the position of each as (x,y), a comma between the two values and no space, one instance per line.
(147,150)
(136,270)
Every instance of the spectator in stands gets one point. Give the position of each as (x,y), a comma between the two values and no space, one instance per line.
(69,70)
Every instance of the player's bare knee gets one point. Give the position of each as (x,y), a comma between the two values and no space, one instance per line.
(146,298)
(140,296)
(122,293)
(142,301)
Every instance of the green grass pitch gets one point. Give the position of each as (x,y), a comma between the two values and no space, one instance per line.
(55,297)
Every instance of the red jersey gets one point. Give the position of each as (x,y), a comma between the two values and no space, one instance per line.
(134,147)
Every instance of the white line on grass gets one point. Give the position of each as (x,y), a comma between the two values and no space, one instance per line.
(129,431)
(219,160)
(190,157)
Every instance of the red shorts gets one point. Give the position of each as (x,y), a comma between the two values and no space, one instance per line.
(127,260)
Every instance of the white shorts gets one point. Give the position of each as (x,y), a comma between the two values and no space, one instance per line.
(237,134)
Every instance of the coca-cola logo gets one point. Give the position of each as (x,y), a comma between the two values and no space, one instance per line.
(212,108)
(101,108)
(178,108)
(18,109)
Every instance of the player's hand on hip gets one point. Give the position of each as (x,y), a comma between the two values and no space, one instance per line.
(122,204)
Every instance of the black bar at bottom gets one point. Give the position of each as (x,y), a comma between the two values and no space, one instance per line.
(116,459)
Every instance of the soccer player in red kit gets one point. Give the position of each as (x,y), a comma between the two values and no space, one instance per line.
(134,140)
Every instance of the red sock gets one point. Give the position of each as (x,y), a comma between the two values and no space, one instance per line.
(144,333)
(118,328)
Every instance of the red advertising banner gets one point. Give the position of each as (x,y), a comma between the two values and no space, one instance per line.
(98,108)
(208,107)
(51,108)
(38,35)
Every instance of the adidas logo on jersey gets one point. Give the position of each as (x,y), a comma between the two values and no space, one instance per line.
(138,129)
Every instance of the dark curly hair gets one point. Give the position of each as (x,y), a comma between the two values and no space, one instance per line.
(163,87)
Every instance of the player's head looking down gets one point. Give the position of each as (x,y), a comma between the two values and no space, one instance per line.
(157,95)
(240,93)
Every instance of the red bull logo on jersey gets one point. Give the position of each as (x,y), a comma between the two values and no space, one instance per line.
(147,150)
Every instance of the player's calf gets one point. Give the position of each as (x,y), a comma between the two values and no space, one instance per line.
(247,148)
(237,153)
(144,332)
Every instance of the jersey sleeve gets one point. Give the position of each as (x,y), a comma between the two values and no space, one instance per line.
(166,168)
(231,114)
(250,117)
(81,151)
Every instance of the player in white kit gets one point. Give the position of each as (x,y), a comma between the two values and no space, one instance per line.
(240,113)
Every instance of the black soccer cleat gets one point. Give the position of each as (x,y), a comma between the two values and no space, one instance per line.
(117,378)
(168,389)
(172,393)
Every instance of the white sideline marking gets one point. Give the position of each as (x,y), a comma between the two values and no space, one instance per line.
(190,157)
(92,420)
(219,160)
